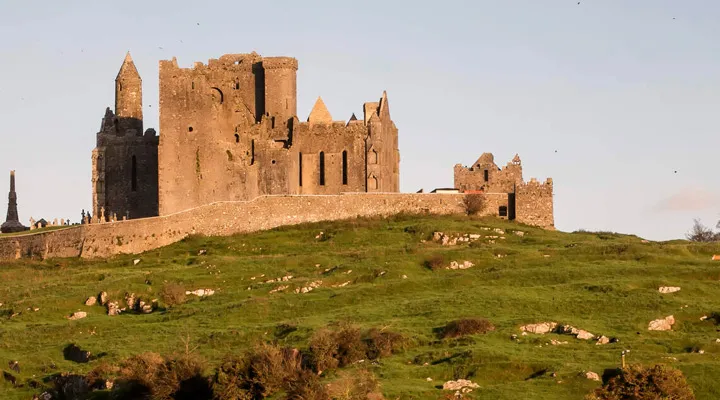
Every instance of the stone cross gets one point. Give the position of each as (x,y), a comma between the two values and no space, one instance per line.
(102,214)
(12,222)
(32,223)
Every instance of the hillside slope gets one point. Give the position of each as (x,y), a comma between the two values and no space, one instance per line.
(604,283)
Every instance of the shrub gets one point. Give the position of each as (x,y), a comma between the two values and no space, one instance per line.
(306,386)
(173,294)
(383,343)
(151,376)
(638,382)
(435,262)
(474,203)
(355,385)
(323,349)
(468,326)
(350,346)
(262,372)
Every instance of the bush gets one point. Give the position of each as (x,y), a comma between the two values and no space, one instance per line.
(151,376)
(355,385)
(645,383)
(383,343)
(468,326)
(474,203)
(262,372)
(173,294)
(435,262)
(306,386)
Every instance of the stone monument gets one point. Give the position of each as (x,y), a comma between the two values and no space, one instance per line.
(12,222)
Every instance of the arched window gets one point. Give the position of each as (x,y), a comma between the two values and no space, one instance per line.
(372,183)
(322,168)
(237,138)
(217,95)
(372,157)
(344,167)
(134,174)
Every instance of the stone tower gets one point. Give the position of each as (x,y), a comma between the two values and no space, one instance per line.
(128,97)
(12,222)
(125,160)
(280,75)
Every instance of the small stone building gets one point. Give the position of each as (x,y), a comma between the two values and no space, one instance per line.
(507,195)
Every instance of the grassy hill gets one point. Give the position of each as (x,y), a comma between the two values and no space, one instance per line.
(604,283)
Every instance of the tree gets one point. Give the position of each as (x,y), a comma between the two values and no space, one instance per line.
(701,233)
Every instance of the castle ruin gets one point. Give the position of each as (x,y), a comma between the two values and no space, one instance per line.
(508,195)
(229,131)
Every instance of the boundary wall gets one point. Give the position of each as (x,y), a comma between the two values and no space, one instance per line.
(221,219)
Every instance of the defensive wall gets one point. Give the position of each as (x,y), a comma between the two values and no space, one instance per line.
(224,218)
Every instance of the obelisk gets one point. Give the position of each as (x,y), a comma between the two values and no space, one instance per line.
(12,222)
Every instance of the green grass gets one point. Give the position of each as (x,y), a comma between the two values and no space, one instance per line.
(602,282)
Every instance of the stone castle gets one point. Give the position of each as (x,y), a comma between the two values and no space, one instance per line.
(230,132)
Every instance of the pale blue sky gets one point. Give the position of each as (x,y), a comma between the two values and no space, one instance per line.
(625,93)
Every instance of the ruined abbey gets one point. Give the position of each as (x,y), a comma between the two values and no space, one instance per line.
(229,131)
(232,156)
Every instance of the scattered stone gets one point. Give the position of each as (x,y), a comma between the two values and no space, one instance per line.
(77,315)
(520,233)
(319,235)
(592,376)
(585,335)
(459,385)
(546,255)
(464,265)
(701,351)
(404,276)
(136,261)
(541,328)
(428,379)
(602,340)
(14,366)
(113,308)
(557,342)
(202,252)
(130,300)
(717,340)
(703,318)
(715,257)
(668,289)
(664,324)
(279,289)
(342,284)
(35,309)
(91,301)
(309,288)
(102,298)
(201,292)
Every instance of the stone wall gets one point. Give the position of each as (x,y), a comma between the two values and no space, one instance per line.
(534,203)
(499,180)
(222,218)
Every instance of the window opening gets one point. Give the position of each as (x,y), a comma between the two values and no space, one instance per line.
(322,168)
(486,175)
(300,168)
(134,174)
(503,211)
(344,167)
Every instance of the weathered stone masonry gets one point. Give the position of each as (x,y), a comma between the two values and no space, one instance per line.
(217,219)
(527,202)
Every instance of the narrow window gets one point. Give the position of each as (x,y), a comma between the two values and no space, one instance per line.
(486,175)
(134,174)
(286,104)
(237,138)
(300,168)
(344,167)
(237,85)
(322,168)
(193,85)
(503,211)
(120,86)
(252,152)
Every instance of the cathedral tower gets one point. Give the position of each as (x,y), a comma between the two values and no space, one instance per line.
(128,98)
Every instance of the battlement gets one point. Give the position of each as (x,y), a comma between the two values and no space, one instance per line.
(280,63)
(533,182)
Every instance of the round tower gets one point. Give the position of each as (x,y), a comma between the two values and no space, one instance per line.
(280,87)
(128,98)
